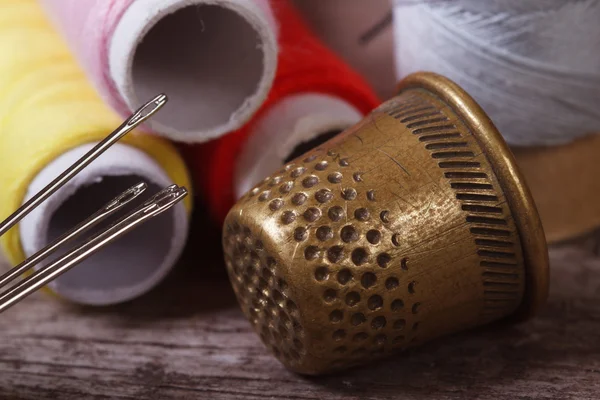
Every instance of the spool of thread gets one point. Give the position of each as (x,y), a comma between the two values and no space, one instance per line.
(314,96)
(215,58)
(361,33)
(533,65)
(565,185)
(50,116)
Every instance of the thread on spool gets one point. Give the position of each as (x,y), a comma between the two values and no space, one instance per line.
(572,211)
(132,48)
(48,109)
(533,66)
(360,32)
(305,66)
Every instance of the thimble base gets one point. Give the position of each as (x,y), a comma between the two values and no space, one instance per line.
(519,197)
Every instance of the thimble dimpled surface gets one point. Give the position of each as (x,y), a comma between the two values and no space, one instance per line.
(395,232)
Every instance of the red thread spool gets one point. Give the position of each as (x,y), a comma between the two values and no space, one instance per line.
(305,66)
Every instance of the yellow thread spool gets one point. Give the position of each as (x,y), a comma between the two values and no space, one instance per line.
(48,108)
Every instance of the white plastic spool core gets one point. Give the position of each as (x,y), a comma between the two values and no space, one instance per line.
(131,265)
(215,59)
(291,124)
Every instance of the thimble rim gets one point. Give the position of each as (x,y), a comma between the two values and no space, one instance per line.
(520,200)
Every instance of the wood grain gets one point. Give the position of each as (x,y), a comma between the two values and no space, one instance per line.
(188,340)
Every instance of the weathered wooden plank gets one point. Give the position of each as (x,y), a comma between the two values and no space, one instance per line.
(187,339)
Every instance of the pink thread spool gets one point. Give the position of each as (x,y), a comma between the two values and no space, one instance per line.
(215,58)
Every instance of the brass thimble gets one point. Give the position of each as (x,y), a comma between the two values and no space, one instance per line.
(411,225)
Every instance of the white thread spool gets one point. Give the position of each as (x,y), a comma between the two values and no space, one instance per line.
(534,66)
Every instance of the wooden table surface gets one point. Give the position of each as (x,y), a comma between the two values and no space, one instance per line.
(188,339)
